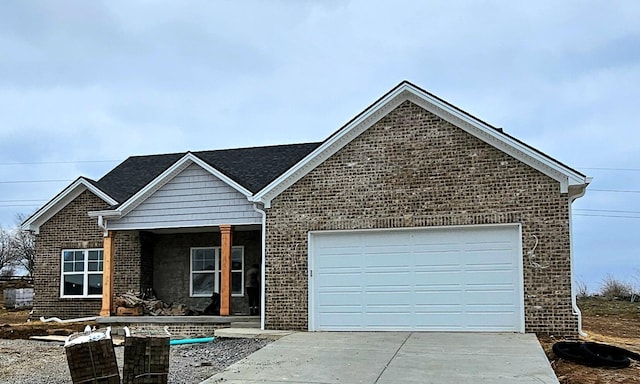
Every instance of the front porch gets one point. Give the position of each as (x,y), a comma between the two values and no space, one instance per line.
(182,266)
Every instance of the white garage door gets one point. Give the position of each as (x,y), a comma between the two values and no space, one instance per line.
(443,279)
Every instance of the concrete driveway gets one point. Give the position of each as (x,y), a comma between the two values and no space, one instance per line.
(394,357)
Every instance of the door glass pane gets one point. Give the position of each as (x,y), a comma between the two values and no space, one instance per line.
(203,283)
(95,284)
(73,284)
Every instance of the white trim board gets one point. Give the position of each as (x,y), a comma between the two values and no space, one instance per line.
(55,205)
(407,91)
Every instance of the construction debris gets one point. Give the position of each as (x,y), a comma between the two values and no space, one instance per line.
(150,305)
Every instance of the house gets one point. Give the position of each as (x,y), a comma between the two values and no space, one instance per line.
(414,215)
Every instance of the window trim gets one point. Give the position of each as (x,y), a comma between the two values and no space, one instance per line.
(85,273)
(217,272)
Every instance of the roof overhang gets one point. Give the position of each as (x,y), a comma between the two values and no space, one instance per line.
(61,200)
(406,91)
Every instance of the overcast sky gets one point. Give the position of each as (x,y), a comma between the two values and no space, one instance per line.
(85,84)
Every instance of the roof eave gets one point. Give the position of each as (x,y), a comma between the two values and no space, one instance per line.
(565,175)
(61,200)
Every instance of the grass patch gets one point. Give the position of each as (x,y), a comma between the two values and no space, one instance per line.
(600,306)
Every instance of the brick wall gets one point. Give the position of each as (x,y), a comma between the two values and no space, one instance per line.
(72,228)
(413,169)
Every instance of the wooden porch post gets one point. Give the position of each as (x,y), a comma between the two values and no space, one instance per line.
(107,273)
(225,270)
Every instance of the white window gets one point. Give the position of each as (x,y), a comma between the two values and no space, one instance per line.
(206,270)
(81,273)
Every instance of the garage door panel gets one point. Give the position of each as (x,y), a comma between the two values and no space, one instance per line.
(386,279)
(431,279)
(438,297)
(328,299)
(488,277)
(392,298)
(437,277)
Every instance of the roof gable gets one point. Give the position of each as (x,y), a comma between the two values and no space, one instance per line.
(405,91)
(62,199)
(163,178)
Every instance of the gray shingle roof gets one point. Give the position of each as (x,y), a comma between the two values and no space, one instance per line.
(253,168)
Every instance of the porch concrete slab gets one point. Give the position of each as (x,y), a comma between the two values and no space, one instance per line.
(393,357)
(250,333)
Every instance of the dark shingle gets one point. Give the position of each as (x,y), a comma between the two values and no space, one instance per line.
(134,173)
(253,168)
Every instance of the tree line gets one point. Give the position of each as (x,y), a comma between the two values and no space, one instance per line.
(17,250)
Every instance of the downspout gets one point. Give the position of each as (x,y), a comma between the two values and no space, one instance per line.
(102,223)
(574,304)
(261,211)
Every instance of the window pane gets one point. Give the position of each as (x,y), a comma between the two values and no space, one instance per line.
(95,255)
(203,283)
(67,255)
(78,266)
(93,266)
(236,282)
(78,255)
(73,284)
(236,259)
(203,259)
(95,284)
(67,267)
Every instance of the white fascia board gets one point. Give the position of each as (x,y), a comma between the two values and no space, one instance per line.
(492,136)
(167,176)
(329,147)
(564,175)
(61,200)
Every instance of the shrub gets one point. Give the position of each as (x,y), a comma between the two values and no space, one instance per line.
(613,288)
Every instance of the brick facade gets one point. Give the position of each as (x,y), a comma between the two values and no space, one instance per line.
(142,260)
(413,169)
(72,228)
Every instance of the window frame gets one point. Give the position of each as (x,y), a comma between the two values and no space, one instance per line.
(217,271)
(85,273)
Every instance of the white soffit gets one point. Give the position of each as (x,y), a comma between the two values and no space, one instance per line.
(407,91)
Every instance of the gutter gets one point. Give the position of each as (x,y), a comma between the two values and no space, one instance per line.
(262,212)
(574,304)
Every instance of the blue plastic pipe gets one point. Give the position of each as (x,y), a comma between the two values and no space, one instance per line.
(192,341)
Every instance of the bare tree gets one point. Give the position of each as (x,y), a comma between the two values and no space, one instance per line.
(24,247)
(582,290)
(7,254)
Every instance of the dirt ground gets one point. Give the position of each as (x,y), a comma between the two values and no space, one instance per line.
(14,325)
(607,321)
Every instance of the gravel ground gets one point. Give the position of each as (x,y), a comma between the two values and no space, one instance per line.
(27,361)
